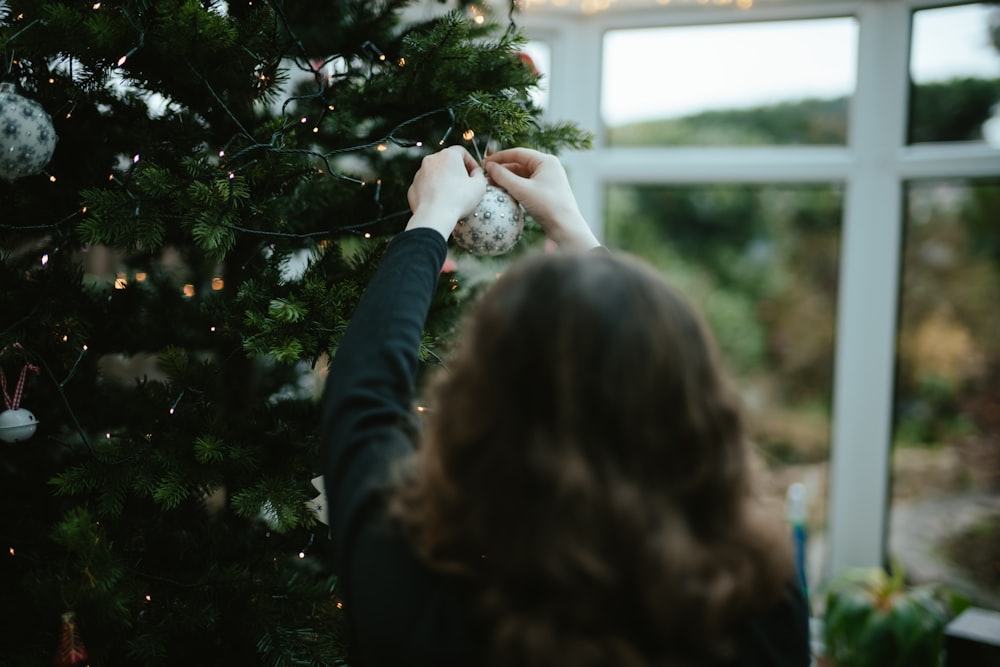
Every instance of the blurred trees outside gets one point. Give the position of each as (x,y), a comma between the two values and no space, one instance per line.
(762,263)
(954,110)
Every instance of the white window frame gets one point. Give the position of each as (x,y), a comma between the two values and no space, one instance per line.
(873,167)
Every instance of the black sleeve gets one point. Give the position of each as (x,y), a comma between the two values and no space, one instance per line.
(399,612)
(779,637)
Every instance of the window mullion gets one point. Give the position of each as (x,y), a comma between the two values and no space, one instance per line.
(869,292)
(725,164)
(949,160)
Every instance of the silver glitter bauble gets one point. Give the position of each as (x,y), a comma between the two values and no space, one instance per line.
(27,138)
(494,227)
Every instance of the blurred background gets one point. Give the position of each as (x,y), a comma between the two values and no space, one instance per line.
(823,179)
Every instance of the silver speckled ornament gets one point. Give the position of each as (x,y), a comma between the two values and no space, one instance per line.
(494,227)
(27,138)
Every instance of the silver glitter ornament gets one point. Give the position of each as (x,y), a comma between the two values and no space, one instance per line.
(494,227)
(27,138)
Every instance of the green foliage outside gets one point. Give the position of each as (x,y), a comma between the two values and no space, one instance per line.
(807,122)
(762,263)
(949,353)
(951,110)
(943,111)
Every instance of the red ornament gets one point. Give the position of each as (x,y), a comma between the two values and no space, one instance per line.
(71,652)
(528,62)
(449,266)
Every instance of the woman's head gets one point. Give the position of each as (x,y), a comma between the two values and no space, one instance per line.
(592,358)
(584,438)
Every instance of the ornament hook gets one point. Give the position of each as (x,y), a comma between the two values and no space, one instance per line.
(13,402)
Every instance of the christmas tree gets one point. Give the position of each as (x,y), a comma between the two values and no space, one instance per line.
(194,195)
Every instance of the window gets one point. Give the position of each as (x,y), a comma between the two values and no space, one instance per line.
(761,263)
(779,82)
(537,55)
(946,443)
(664,166)
(955,93)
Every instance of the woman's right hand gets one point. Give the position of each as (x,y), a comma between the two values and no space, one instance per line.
(448,186)
(538,181)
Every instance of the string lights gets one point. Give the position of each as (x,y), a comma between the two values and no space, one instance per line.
(241,153)
(242,158)
(173,408)
(303,550)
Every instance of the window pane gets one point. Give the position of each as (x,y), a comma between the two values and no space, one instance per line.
(538,55)
(761,262)
(781,82)
(955,74)
(945,522)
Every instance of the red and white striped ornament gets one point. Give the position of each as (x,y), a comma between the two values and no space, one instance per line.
(71,651)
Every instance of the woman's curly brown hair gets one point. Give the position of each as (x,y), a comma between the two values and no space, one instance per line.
(584,459)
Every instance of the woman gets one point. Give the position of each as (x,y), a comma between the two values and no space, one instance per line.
(580,493)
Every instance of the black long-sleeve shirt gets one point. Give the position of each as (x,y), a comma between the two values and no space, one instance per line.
(400,612)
